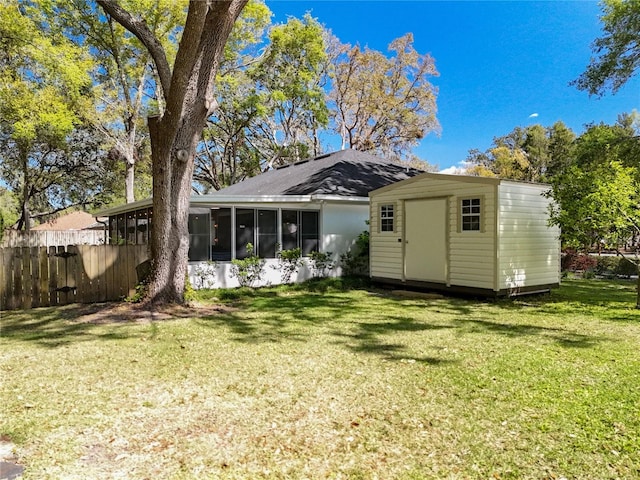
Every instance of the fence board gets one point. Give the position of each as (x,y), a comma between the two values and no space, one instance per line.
(52,238)
(43,259)
(37,276)
(34,259)
(16,301)
(53,276)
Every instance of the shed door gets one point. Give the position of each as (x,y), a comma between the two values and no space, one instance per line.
(425,255)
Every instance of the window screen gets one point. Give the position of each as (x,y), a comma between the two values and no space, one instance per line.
(221,234)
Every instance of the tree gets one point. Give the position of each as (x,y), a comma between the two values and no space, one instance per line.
(43,92)
(289,80)
(226,154)
(598,203)
(123,76)
(187,91)
(533,154)
(381,104)
(271,102)
(59,175)
(617,52)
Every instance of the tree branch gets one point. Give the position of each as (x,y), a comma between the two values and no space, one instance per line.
(141,31)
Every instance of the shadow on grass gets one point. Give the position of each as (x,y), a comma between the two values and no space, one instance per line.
(364,321)
(561,336)
(370,337)
(59,326)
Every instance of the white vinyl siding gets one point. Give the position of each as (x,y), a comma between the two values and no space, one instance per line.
(529,249)
(468,254)
(514,248)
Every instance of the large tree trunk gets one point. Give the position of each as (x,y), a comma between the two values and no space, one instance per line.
(172,172)
(25,220)
(129,180)
(187,91)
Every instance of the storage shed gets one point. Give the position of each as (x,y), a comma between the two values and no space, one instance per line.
(467,234)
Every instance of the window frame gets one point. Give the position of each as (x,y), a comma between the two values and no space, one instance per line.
(473,213)
(383,219)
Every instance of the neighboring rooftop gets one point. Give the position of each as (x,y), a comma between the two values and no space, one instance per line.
(342,173)
(71,221)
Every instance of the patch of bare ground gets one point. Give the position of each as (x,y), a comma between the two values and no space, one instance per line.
(105,313)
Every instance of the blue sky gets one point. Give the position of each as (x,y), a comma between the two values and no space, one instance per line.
(501,64)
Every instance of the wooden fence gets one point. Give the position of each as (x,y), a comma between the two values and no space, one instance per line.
(46,276)
(52,238)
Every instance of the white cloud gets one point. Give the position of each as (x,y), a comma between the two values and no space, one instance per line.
(460,169)
(533,115)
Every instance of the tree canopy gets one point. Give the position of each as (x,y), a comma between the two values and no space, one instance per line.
(617,52)
(44,99)
(383,104)
(534,153)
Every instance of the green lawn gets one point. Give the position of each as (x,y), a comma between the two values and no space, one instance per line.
(321,382)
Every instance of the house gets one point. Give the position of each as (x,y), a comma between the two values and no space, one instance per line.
(319,204)
(77,220)
(467,234)
(75,228)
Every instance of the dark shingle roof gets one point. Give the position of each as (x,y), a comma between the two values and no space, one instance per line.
(343,173)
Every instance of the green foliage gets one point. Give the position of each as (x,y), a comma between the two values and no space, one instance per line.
(618,266)
(189,292)
(289,261)
(248,271)
(139,295)
(607,266)
(598,203)
(205,274)
(356,260)
(534,153)
(321,263)
(9,208)
(617,52)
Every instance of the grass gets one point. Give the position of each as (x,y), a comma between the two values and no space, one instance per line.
(327,382)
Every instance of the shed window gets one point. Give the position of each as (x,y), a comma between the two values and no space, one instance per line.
(386,218)
(470,215)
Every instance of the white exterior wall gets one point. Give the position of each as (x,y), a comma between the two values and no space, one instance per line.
(340,225)
(528,249)
(471,255)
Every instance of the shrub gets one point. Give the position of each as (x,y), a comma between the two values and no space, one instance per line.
(626,268)
(321,263)
(573,261)
(356,260)
(205,274)
(248,270)
(606,266)
(610,266)
(288,263)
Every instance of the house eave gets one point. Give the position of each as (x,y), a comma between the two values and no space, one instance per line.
(214,199)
